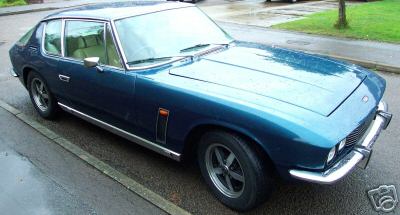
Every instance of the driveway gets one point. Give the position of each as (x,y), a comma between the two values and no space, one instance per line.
(182,183)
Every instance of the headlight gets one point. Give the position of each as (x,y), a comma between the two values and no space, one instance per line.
(342,144)
(331,154)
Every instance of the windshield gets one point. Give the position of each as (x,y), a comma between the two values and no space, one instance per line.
(155,37)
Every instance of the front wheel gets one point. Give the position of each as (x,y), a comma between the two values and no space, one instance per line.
(234,171)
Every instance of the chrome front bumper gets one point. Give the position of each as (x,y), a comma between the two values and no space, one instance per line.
(360,155)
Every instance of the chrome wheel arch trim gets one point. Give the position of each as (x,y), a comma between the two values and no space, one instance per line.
(136,139)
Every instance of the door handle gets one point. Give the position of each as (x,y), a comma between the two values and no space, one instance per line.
(32,50)
(63,78)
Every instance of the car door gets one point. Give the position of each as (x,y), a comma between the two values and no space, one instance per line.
(50,55)
(104,92)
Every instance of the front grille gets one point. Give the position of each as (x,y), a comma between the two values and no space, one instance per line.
(353,138)
(359,132)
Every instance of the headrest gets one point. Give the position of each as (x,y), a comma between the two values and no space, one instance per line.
(88,41)
(81,43)
(91,40)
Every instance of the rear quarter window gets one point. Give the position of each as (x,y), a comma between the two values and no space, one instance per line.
(27,36)
(52,37)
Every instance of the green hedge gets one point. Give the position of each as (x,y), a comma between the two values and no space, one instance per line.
(7,3)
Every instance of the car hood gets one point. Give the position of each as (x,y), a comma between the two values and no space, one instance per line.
(308,81)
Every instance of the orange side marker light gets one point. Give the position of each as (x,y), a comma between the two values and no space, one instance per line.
(163,112)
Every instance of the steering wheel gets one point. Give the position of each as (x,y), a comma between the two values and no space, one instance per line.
(145,50)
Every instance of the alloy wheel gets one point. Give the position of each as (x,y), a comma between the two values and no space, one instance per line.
(40,94)
(225,170)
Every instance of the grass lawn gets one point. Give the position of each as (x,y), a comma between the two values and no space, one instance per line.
(371,21)
(7,3)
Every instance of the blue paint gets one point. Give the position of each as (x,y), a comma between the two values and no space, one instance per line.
(296,106)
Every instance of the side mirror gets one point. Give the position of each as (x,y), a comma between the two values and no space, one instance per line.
(91,62)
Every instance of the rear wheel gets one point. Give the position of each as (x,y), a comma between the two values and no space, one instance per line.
(234,171)
(41,97)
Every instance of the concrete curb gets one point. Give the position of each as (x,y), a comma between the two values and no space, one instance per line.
(106,169)
(366,64)
(8,13)
(39,9)
(369,65)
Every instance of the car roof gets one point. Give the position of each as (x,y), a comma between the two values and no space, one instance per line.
(116,10)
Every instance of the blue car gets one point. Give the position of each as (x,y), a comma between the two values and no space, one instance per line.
(185,89)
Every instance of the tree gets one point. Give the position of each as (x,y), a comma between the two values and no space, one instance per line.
(342,21)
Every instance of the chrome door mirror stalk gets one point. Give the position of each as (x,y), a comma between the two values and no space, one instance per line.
(99,69)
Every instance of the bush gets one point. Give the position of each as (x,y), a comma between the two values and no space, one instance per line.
(7,3)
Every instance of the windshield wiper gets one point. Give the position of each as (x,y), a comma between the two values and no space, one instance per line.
(202,45)
(198,46)
(149,60)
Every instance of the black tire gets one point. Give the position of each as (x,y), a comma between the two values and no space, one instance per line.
(257,182)
(49,108)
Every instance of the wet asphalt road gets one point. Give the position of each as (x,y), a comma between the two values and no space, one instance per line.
(182,183)
(39,177)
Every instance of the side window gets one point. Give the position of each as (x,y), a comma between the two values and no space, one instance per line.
(52,37)
(112,53)
(84,39)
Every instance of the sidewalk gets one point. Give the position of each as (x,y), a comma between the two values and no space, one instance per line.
(40,177)
(376,55)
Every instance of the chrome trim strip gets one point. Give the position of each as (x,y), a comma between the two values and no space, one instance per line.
(118,44)
(173,60)
(141,141)
(75,17)
(62,37)
(43,36)
(109,28)
(358,156)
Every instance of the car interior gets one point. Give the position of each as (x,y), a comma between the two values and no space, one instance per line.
(92,46)
(51,45)
(88,46)
(84,46)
